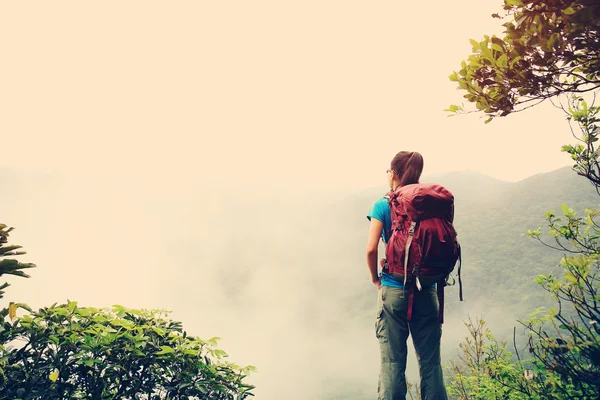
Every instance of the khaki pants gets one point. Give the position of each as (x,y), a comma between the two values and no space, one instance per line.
(392,330)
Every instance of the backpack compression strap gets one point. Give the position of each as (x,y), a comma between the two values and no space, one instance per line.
(411,233)
(411,294)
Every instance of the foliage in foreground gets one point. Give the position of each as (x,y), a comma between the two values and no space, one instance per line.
(564,341)
(10,266)
(69,352)
(551,49)
(548,48)
(486,369)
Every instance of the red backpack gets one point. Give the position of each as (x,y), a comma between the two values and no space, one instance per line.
(423,248)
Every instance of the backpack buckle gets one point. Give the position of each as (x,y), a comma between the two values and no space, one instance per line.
(415,270)
(411,230)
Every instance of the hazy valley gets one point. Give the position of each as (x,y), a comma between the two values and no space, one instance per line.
(279,274)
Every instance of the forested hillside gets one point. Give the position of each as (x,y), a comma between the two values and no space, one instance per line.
(499,261)
(491,217)
(541,43)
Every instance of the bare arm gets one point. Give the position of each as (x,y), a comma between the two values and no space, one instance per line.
(372,243)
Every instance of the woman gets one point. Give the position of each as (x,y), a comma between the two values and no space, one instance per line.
(392,326)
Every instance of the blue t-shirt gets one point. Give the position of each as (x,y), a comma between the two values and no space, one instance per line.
(381,212)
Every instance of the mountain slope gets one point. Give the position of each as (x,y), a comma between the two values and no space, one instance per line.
(491,217)
(499,261)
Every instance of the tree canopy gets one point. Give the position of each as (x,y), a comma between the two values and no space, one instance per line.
(548,47)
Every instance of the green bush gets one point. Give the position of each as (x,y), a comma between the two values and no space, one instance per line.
(71,352)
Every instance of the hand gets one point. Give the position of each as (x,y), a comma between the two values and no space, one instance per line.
(377,283)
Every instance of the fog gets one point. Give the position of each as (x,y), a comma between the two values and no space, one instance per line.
(263,271)
(278,275)
(206,157)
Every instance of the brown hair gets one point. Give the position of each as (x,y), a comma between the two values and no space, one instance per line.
(407,165)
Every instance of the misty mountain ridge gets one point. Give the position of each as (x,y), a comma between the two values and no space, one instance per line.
(471,185)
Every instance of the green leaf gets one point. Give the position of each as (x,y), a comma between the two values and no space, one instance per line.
(502,63)
(497,47)
(570,277)
(566,209)
(53,376)
(165,350)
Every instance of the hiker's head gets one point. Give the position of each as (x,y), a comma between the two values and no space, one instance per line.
(405,169)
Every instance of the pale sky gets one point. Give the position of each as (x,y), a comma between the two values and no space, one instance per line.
(144,127)
(311,93)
